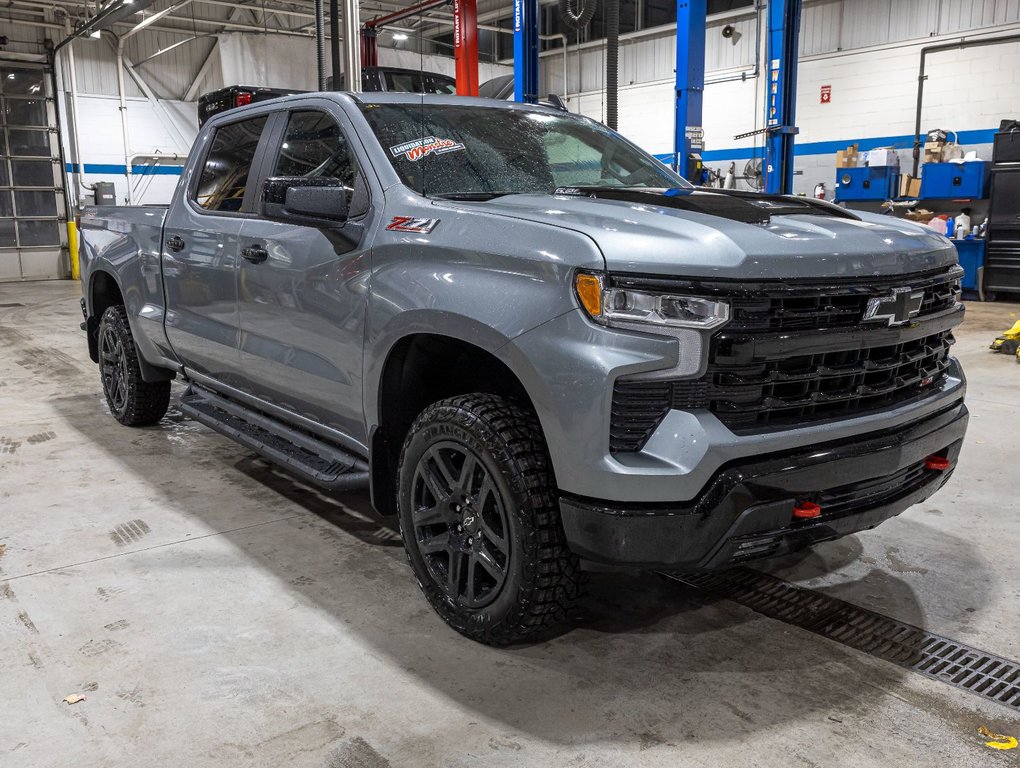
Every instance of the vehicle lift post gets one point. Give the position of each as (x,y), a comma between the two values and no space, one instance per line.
(465,46)
(781,93)
(689,136)
(526,51)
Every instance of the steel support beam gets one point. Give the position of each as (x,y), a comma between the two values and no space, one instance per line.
(352,46)
(465,46)
(781,94)
(688,134)
(526,51)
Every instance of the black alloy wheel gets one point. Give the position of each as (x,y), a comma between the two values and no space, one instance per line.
(479,517)
(460,524)
(133,401)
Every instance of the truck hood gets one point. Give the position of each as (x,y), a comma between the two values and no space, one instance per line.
(732,235)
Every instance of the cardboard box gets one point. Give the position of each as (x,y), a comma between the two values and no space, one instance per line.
(942,153)
(922,215)
(952,152)
(883,157)
(909,186)
(847,158)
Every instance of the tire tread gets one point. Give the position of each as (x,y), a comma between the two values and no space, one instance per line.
(552,579)
(147,402)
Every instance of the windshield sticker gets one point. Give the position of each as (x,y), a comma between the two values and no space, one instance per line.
(427,145)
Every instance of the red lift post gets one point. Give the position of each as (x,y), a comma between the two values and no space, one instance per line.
(465,39)
(465,46)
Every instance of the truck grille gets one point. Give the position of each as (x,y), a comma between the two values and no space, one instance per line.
(802,311)
(786,386)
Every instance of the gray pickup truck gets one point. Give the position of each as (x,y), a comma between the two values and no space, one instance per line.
(537,346)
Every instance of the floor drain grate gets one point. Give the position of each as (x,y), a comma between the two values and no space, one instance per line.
(949,661)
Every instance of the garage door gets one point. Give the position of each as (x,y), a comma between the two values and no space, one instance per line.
(33,234)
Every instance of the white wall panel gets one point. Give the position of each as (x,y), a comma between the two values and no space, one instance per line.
(147,134)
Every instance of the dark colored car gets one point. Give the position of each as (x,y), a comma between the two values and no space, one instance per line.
(232,96)
(375,79)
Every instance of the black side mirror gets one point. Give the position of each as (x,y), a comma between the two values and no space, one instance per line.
(306,200)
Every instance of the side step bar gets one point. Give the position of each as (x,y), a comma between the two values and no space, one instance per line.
(306,456)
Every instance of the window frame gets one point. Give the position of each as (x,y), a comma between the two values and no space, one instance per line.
(254,174)
(272,152)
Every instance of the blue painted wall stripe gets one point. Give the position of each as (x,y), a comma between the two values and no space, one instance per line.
(137,170)
(982,136)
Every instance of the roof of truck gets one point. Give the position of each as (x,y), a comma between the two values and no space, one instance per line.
(395,97)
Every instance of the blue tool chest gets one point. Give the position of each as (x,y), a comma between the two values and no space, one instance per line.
(868,183)
(955,180)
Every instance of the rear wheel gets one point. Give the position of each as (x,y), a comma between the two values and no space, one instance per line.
(132,400)
(480,521)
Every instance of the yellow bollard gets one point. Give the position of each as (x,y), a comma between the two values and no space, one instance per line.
(72,247)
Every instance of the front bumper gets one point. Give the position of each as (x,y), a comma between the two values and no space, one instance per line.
(746,511)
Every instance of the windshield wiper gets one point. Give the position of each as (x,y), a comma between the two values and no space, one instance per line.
(480,196)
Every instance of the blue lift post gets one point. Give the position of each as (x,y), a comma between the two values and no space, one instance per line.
(526,51)
(688,134)
(781,93)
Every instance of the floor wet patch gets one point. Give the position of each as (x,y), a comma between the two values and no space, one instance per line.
(992,677)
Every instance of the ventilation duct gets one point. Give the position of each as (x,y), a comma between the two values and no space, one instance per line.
(577,14)
(612,61)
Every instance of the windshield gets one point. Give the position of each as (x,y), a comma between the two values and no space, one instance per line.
(443,150)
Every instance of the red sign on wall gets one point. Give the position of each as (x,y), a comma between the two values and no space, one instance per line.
(826,94)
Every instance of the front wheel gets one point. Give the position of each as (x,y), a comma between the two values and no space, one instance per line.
(133,401)
(480,520)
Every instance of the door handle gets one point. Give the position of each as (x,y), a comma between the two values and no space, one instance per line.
(256,254)
(175,243)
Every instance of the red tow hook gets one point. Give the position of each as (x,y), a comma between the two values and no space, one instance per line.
(806,510)
(938,463)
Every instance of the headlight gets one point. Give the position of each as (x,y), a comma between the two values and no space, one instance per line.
(619,306)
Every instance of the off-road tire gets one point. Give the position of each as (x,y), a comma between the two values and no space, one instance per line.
(133,402)
(542,579)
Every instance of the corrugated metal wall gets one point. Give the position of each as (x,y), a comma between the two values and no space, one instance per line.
(169,74)
(827,26)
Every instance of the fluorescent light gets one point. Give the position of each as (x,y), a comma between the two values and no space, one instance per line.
(97,33)
(399,36)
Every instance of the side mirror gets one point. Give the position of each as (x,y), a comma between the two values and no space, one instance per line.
(305,200)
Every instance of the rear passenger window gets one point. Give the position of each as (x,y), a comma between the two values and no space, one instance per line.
(314,146)
(228,165)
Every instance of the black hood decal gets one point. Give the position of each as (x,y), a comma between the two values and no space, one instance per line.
(746,207)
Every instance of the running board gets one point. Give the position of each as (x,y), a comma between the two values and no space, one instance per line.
(306,456)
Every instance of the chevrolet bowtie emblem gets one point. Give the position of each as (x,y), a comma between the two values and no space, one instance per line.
(897,309)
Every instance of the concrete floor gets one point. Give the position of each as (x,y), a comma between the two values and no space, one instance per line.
(215,612)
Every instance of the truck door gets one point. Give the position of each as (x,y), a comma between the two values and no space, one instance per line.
(200,250)
(303,290)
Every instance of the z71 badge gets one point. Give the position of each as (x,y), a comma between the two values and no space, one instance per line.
(412,224)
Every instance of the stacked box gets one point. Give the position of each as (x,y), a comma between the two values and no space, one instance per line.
(847,158)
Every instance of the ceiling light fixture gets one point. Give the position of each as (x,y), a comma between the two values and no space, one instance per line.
(399,36)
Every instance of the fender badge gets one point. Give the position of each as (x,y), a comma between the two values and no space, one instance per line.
(412,224)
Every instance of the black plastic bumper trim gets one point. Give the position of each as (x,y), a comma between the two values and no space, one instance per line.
(750,502)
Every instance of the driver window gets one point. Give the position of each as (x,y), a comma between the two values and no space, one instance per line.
(315,146)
